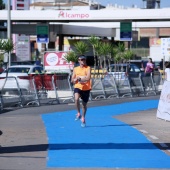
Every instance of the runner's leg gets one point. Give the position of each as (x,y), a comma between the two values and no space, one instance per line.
(77,103)
(84,109)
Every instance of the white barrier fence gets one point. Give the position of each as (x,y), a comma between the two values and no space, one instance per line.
(130,87)
(50,89)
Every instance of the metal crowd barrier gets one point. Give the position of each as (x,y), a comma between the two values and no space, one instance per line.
(13,94)
(63,88)
(57,88)
(102,89)
(130,87)
(6,97)
(148,84)
(158,81)
(97,91)
(40,88)
(110,89)
(124,89)
(136,86)
(53,88)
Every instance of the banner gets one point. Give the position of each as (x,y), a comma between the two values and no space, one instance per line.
(163,111)
(54,61)
(22,47)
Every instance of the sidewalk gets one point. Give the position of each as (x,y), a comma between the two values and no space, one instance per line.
(106,142)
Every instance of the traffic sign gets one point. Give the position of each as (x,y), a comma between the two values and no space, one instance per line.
(125,31)
(42,33)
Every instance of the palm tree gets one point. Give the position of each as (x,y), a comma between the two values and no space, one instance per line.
(94,41)
(121,47)
(118,57)
(81,48)
(98,51)
(120,53)
(128,54)
(106,50)
(113,53)
(71,57)
(6,46)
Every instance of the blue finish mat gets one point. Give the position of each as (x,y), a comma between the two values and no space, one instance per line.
(104,142)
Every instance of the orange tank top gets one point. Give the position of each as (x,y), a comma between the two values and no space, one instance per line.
(82,71)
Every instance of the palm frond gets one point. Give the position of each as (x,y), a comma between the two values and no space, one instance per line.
(71,57)
(93,40)
(128,55)
(81,48)
(121,47)
(6,46)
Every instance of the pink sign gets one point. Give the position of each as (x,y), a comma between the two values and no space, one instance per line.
(55,61)
(155,42)
(64,14)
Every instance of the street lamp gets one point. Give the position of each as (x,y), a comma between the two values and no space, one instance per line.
(9,29)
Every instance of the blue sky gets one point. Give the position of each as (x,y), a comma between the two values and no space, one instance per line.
(139,3)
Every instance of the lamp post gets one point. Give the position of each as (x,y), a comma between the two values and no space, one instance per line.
(9,29)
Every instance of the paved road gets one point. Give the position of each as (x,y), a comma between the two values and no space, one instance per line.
(24,142)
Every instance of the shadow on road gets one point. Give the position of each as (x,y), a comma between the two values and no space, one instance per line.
(104,146)
(26,148)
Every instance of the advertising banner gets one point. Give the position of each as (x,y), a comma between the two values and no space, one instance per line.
(22,41)
(163,111)
(155,42)
(22,47)
(54,61)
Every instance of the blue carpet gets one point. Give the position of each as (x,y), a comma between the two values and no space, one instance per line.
(105,142)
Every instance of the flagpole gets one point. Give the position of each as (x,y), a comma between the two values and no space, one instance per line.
(9,29)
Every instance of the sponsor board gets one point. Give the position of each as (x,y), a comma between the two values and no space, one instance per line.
(54,61)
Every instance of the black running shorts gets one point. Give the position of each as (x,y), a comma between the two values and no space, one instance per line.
(84,94)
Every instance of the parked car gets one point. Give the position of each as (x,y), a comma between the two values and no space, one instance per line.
(120,73)
(140,63)
(19,72)
(29,62)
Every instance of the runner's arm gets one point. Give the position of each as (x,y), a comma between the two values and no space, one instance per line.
(87,77)
(73,78)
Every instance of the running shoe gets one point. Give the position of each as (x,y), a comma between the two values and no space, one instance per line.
(78,117)
(83,123)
